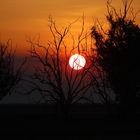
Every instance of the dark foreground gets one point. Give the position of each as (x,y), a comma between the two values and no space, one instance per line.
(83,122)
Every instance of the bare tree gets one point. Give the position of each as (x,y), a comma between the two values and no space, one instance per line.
(9,74)
(57,82)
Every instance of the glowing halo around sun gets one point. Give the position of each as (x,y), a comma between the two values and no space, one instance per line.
(77,61)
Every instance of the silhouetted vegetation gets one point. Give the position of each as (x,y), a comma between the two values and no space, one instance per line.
(112,67)
(9,74)
(60,84)
(118,54)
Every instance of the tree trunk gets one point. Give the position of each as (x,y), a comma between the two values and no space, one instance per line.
(63,110)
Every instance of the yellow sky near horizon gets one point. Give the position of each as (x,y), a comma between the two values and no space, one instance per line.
(20,19)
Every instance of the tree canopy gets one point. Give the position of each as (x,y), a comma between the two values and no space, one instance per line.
(118,52)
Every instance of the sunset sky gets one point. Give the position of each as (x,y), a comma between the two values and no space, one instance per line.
(20,19)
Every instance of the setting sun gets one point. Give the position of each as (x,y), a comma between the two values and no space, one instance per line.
(77,61)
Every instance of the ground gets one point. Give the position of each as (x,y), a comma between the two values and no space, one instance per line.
(84,122)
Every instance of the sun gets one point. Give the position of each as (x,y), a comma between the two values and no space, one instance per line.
(77,61)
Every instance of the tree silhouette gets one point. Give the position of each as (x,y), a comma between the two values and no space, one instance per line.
(58,83)
(9,74)
(118,54)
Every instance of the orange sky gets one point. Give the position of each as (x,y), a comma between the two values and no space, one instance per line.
(20,19)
